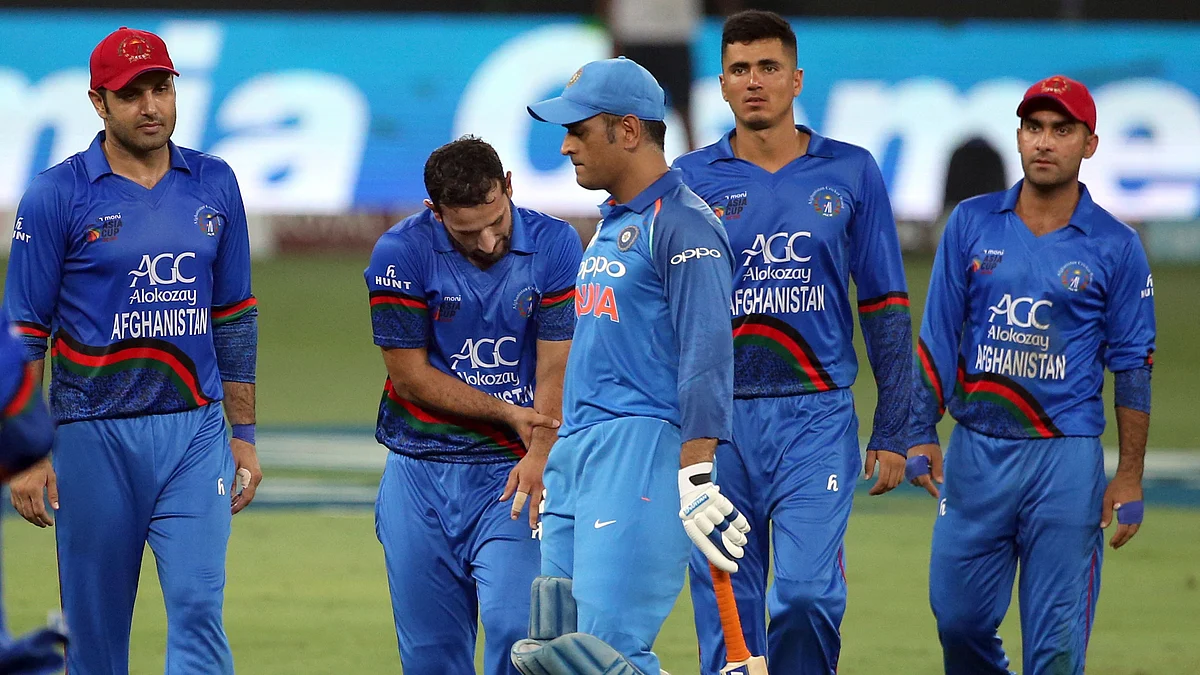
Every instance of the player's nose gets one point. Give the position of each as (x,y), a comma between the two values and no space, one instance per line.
(487,243)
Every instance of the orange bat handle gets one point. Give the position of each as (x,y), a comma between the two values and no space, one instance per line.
(731,623)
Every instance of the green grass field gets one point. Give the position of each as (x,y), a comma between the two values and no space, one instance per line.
(307,594)
(317,365)
(307,591)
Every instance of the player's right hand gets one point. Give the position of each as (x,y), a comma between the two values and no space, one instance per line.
(923,473)
(26,492)
(525,420)
(710,519)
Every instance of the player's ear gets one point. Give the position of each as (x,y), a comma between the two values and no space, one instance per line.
(797,82)
(429,205)
(1090,145)
(721,79)
(508,184)
(98,102)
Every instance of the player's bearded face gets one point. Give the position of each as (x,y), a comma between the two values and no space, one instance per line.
(141,115)
(760,82)
(482,233)
(1052,146)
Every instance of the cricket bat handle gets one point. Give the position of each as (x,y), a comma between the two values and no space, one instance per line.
(737,654)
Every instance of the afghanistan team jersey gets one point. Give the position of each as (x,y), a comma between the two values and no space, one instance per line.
(653,338)
(1018,328)
(481,326)
(128,283)
(798,236)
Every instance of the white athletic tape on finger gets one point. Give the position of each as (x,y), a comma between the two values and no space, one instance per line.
(519,502)
(243,479)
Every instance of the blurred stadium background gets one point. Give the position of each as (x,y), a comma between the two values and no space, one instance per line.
(327,111)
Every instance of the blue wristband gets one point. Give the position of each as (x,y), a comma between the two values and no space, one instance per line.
(244,432)
(915,467)
(1131,513)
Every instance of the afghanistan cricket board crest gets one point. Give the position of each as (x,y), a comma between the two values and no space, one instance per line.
(209,220)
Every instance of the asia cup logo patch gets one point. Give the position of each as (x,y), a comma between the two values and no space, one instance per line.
(525,301)
(627,237)
(826,201)
(987,263)
(209,220)
(106,229)
(730,207)
(1075,276)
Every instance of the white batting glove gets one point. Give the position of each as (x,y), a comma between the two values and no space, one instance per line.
(710,519)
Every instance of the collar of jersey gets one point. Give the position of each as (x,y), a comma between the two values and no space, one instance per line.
(96,164)
(1081,219)
(670,180)
(521,241)
(818,146)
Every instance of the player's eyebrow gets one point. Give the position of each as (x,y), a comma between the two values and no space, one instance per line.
(760,63)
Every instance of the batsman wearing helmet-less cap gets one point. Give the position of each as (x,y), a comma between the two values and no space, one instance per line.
(132,258)
(646,397)
(1034,292)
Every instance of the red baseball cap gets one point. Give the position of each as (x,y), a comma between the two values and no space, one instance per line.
(125,54)
(1069,94)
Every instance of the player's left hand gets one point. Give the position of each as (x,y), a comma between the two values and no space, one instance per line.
(1124,492)
(525,481)
(891,470)
(245,457)
(710,520)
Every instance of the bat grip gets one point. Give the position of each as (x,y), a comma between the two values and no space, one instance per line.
(731,623)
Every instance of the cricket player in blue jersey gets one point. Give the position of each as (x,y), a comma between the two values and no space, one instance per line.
(132,257)
(473,305)
(1034,292)
(804,215)
(26,432)
(647,397)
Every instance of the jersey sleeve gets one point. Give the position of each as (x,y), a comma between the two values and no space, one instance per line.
(878,271)
(692,257)
(26,429)
(556,311)
(232,296)
(235,309)
(936,363)
(1129,327)
(395,282)
(35,264)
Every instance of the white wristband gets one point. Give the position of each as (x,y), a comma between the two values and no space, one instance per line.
(701,470)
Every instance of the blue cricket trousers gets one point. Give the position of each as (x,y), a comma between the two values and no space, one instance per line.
(123,483)
(791,470)
(1005,502)
(454,556)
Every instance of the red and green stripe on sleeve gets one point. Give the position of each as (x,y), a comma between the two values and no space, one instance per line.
(25,395)
(393,300)
(895,301)
(558,299)
(223,314)
(499,438)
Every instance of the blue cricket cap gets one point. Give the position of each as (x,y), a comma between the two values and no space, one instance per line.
(616,86)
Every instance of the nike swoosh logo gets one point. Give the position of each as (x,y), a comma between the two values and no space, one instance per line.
(599,524)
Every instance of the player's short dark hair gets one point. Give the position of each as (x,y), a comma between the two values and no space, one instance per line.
(462,173)
(655,130)
(755,24)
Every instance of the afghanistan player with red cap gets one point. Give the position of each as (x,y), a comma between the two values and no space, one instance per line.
(132,257)
(1034,292)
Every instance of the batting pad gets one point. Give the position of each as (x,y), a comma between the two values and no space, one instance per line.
(551,608)
(571,654)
